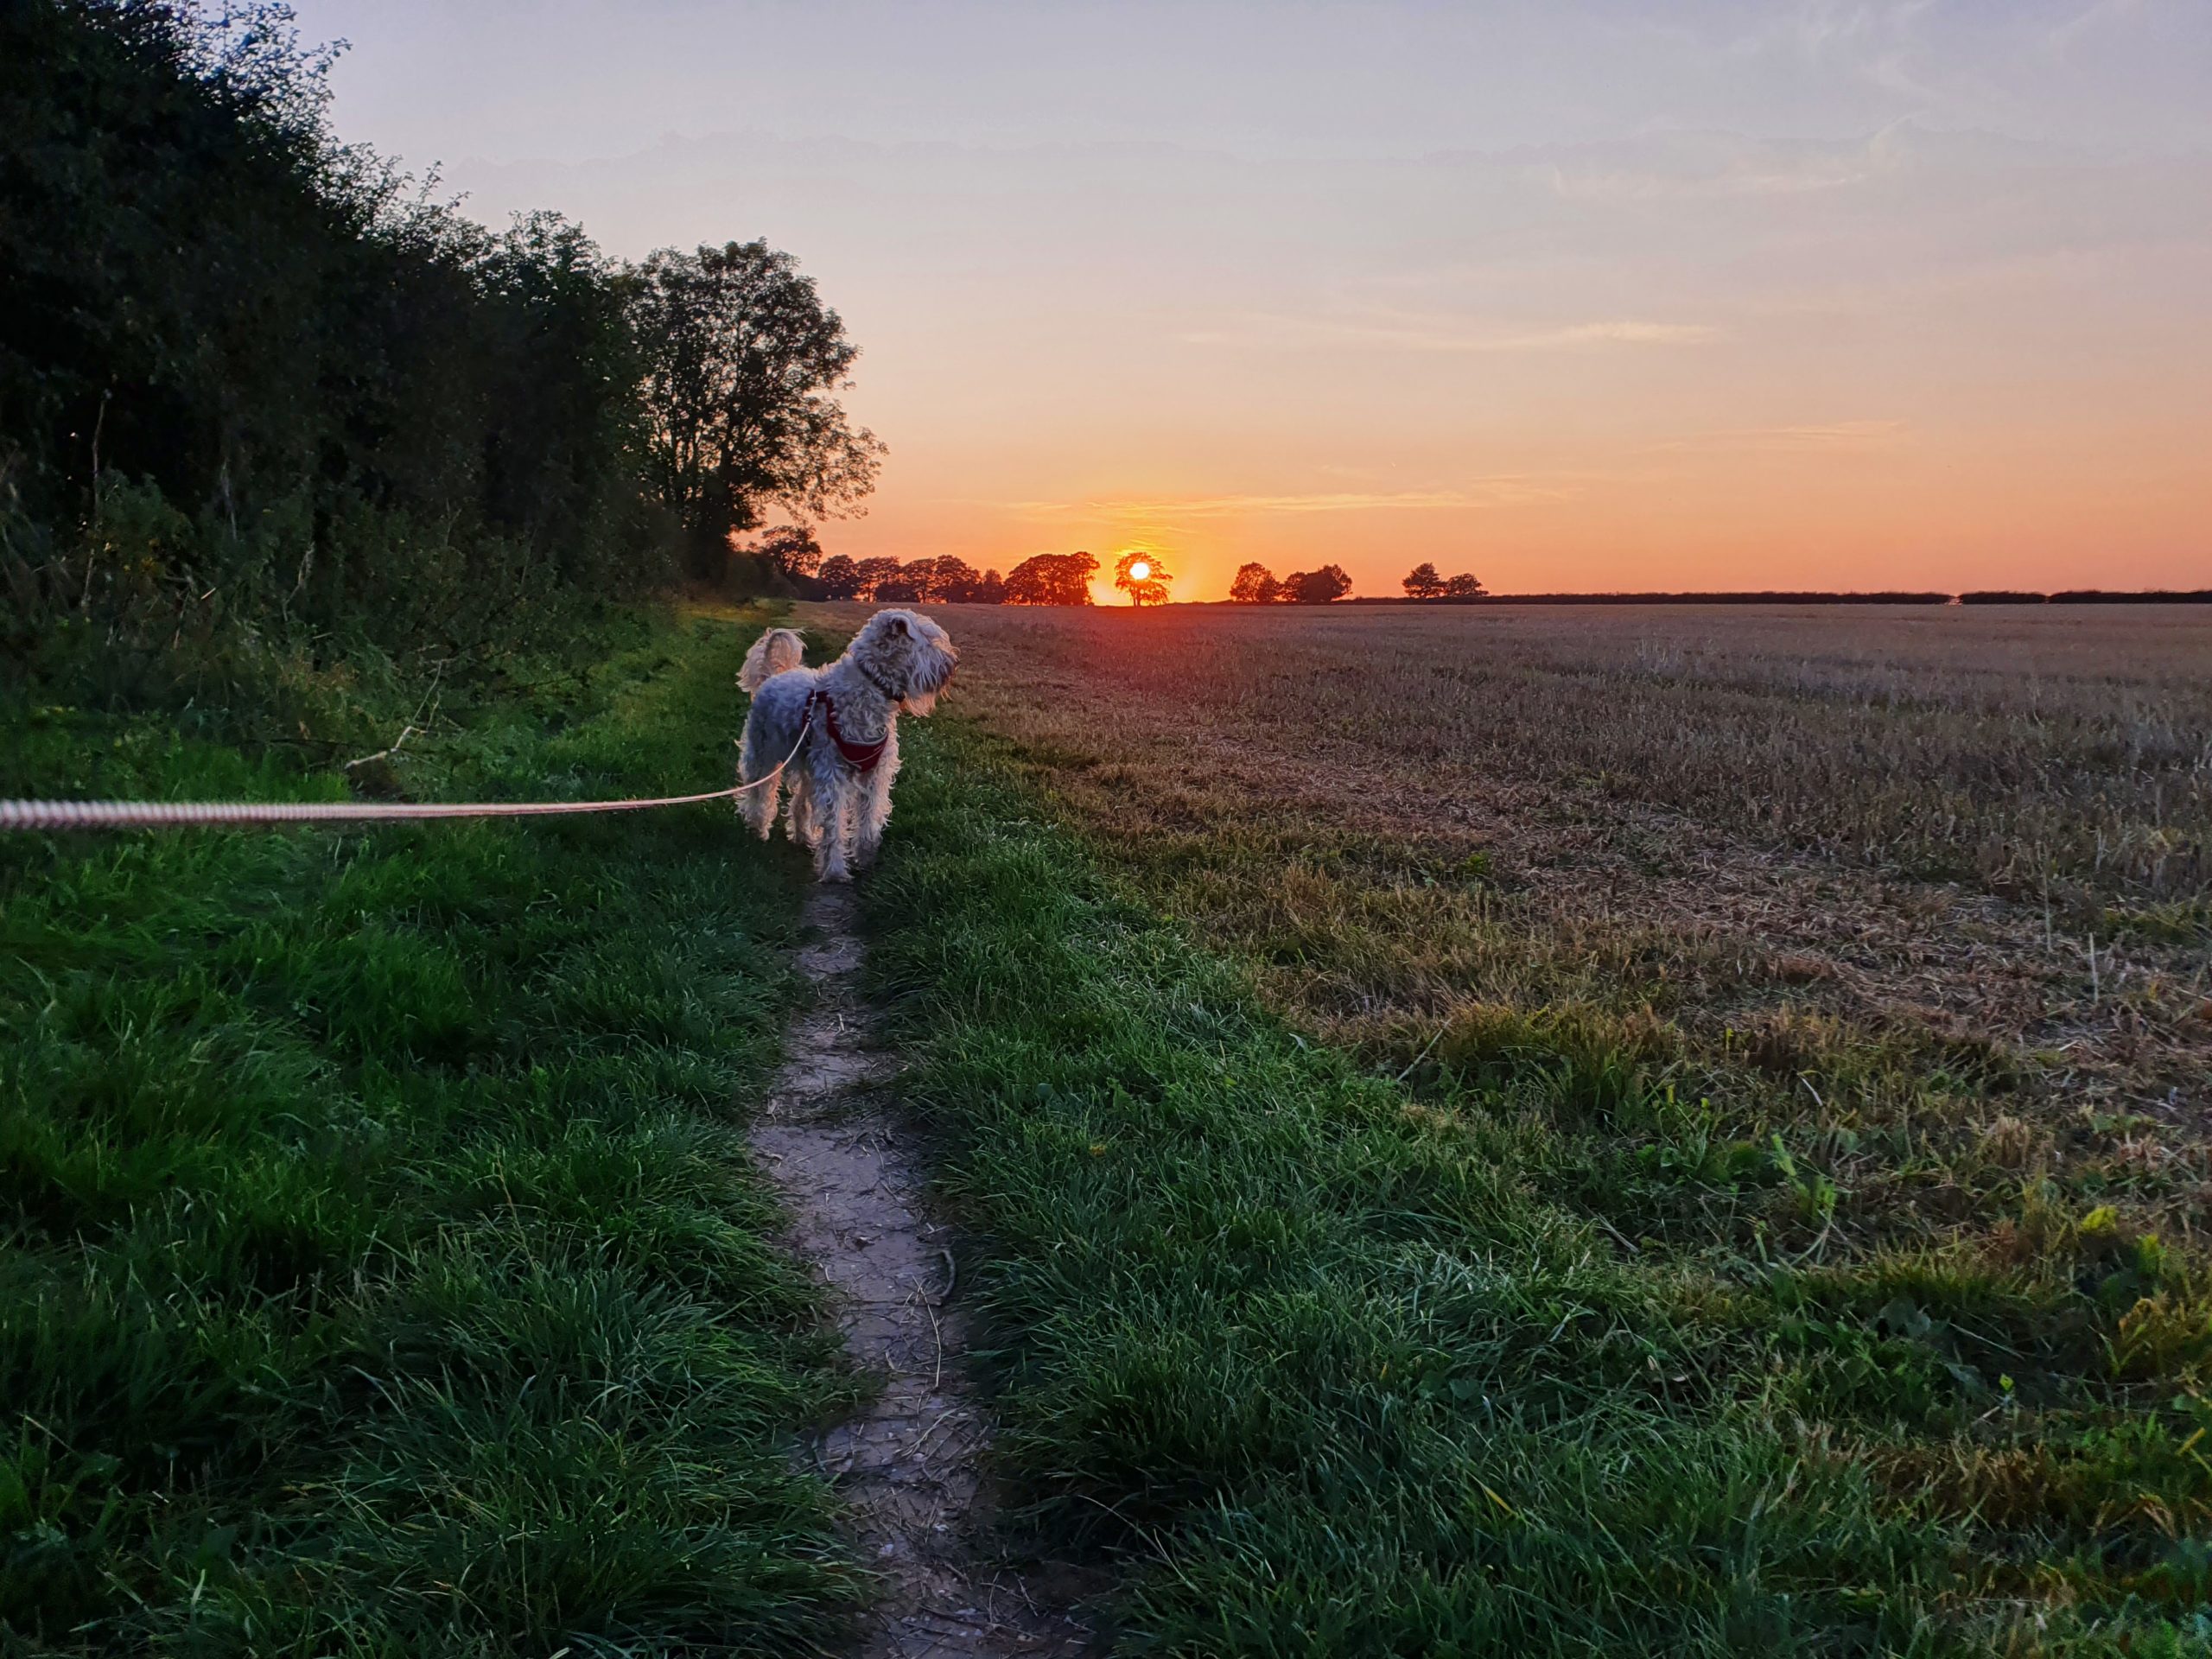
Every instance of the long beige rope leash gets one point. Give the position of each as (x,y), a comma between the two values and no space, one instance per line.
(166,814)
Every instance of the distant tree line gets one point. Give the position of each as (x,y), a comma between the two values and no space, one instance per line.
(2079,596)
(788,560)
(2091,596)
(1254,584)
(263,395)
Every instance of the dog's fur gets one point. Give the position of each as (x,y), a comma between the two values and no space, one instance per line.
(836,810)
(778,651)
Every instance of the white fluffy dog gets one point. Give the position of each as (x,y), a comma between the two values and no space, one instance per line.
(841,774)
(778,651)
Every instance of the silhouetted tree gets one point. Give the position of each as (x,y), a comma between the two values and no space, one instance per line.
(1316,586)
(1254,585)
(953,581)
(939,580)
(839,577)
(922,576)
(990,589)
(781,563)
(869,574)
(791,548)
(1462,585)
(1423,582)
(897,590)
(1150,588)
(743,364)
(1052,579)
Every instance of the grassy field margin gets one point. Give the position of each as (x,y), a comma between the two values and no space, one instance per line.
(1327,1368)
(382,1270)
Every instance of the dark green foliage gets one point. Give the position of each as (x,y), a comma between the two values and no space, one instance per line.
(1334,1373)
(255,392)
(382,1270)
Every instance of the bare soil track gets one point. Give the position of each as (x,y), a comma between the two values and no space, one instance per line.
(910,1465)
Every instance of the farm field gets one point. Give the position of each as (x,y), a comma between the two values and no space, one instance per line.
(1425,1186)
(1780,1041)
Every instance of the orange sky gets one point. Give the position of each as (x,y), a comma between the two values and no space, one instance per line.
(1779,295)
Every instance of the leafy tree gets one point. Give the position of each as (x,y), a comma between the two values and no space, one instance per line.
(1052,579)
(953,581)
(989,589)
(897,590)
(939,580)
(839,577)
(791,548)
(1462,585)
(1316,586)
(781,563)
(1254,585)
(1422,582)
(870,574)
(1151,588)
(921,575)
(743,364)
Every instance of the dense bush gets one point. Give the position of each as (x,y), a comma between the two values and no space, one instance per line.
(257,394)
(265,403)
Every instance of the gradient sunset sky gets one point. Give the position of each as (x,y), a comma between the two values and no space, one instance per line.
(1762,295)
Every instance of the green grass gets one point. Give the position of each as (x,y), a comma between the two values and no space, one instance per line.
(1330,1369)
(382,1270)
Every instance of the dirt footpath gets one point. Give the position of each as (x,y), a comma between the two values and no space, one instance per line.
(910,1465)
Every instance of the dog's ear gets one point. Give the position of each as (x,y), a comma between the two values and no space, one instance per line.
(898,625)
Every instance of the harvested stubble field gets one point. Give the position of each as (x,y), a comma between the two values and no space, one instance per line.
(1843,977)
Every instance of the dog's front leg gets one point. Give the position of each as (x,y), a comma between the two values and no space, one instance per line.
(872,809)
(870,812)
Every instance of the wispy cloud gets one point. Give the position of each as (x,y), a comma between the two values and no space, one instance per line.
(1276,331)
(2091,17)
(1491,492)
(1690,167)
(1825,436)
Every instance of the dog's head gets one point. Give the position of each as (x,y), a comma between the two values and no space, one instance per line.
(908,655)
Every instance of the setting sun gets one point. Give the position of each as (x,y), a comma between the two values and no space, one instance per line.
(1141,571)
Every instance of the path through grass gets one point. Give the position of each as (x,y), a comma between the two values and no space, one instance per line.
(381,1267)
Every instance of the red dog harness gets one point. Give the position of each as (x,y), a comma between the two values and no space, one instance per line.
(861,757)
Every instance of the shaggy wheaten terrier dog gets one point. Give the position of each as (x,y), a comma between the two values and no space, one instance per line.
(839,726)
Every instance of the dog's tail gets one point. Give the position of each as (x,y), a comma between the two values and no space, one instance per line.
(776,651)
